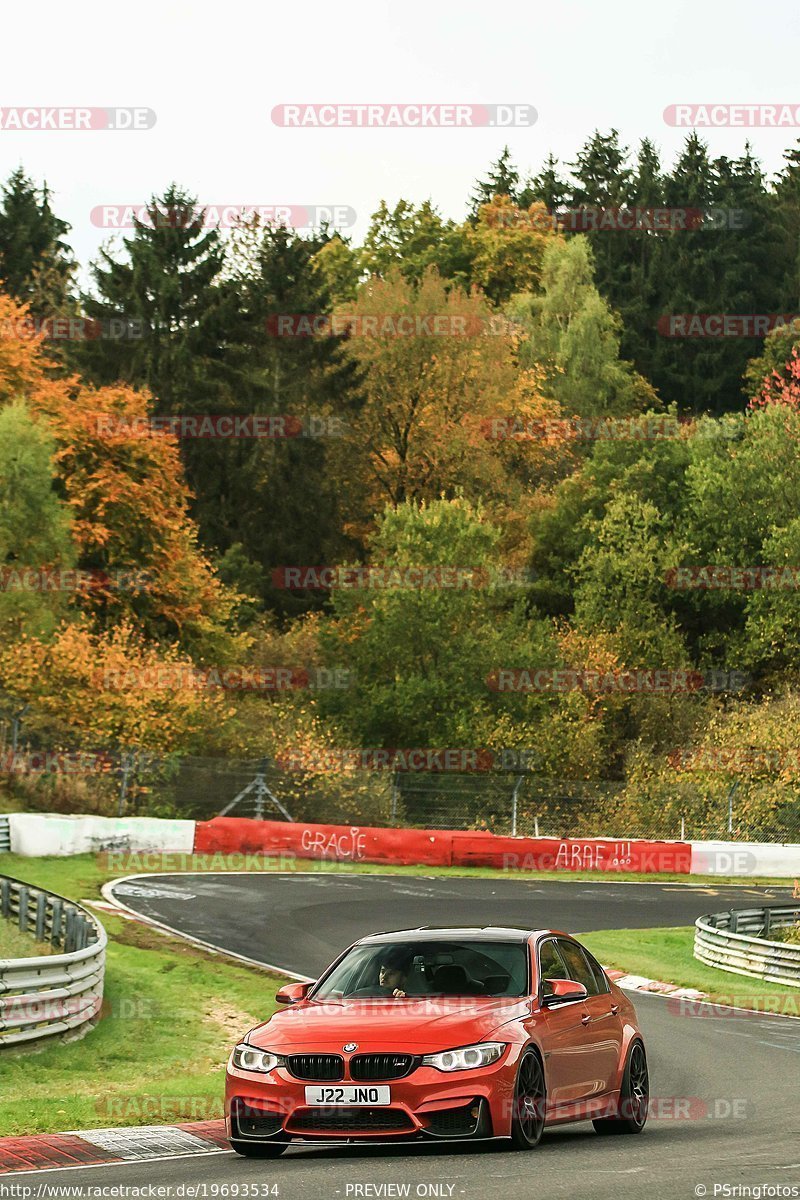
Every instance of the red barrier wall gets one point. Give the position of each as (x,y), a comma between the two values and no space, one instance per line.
(572,854)
(342,843)
(433,847)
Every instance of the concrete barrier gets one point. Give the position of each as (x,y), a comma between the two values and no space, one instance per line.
(781,861)
(39,834)
(338,843)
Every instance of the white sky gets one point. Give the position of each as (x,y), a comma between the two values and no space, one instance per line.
(213,71)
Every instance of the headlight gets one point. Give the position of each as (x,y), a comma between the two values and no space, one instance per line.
(247,1058)
(466,1058)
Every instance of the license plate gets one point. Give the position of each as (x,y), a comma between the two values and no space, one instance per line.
(348,1095)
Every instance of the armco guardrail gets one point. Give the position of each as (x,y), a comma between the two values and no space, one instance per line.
(53,993)
(738,941)
(5,834)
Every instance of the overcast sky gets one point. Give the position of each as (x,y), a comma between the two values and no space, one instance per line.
(213,73)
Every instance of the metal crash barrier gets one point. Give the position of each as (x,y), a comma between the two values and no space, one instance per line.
(739,941)
(57,993)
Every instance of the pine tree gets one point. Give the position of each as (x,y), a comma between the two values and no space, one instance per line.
(273,498)
(748,258)
(163,310)
(602,176)
(639,305)
(548,187)
(36,264)
(787,195)
(603,181)
(684,369)
(714,268)
(502,180)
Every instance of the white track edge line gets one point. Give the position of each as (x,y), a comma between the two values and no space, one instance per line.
(108,894)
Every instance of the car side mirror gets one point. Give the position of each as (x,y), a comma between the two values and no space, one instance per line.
(563,991)
(291,993)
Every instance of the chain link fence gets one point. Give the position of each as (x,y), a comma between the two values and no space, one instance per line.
(127,781)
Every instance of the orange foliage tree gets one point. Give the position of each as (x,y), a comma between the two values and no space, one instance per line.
(508,244)
(96,690)
(125,487)
(438,368)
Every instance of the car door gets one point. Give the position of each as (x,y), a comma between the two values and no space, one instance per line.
(603,1031)
(564,1042)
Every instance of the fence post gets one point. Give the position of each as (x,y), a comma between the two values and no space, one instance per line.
(514,796)
(731,794)
(127,762)
(16,720)
(393,815)
(55,931)
(41,916)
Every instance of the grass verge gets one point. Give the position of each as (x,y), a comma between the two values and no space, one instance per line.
(170,1016)
(667,954)
(16,944)
(171,1013)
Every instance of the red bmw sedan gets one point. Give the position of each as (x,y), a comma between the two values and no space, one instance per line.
(442,1033)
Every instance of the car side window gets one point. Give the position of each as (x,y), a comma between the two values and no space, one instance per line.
(599,974)
(577,965)
(551,965)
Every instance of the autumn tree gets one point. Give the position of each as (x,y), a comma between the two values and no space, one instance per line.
(437,367)
(35,542)
(508,244)
(123,485)
(100,690)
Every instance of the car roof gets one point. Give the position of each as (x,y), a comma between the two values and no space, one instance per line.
(450,933)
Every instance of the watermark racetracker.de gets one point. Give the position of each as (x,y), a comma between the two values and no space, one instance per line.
(657,681)
(414,115)
(46,118)
(220,426)
(737,116)
(222,216)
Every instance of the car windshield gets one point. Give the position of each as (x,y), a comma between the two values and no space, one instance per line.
(435,968)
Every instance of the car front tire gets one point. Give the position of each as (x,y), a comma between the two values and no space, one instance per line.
(530,1103)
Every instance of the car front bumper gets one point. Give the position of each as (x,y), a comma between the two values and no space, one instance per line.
(426,1104)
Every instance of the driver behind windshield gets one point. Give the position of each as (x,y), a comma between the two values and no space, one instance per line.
(395,965)
(392,977)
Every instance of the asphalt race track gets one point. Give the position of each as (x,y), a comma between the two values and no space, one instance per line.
(297,922)
(734,1081)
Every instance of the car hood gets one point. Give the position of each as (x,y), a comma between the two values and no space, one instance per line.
(316,1026)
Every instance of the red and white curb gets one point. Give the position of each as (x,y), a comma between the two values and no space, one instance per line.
(96,1147)
(640,983)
